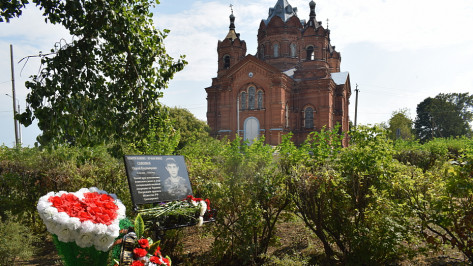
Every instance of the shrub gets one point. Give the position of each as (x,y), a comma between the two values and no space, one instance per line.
(16,240)
(249,192)
(442,199)
(344,197)
(29,173)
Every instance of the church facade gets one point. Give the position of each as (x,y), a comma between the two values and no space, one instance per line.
(292,84)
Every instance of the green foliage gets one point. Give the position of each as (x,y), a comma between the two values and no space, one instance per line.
(446,115)
(16,240)
(26,174)
(11,9)
(400,126)
(442,199)
(249,192)
(162,138)
(346,202)
(190,128)
(139,226)
(374,203)
(104,85)
(432,153)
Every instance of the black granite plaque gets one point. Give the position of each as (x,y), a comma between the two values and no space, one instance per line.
(154,179)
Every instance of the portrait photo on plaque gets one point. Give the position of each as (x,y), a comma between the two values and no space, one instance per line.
(154,178)
(175,184)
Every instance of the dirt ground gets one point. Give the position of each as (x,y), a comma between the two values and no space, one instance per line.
(295,241)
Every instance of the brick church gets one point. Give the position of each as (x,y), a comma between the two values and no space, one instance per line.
(292,84)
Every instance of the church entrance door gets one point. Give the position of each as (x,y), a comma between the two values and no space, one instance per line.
(251,128)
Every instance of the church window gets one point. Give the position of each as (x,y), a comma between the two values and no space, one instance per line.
(293,50)
(243,101)
(310,53)
(261,52)
(251,98)
(309,117)
(260,99)
(226,61)
(286,115)
(276,50)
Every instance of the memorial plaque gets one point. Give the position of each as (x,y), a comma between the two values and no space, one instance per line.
(155,179)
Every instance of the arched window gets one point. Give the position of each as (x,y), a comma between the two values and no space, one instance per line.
(309,117)
(226,61)
(310,53)
(286,115)
(276,50)
(251,98)
(260,99)
(243,101)
(293,50)
(261,52)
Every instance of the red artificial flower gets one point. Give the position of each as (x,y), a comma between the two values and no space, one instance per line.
(158,251)
(137,263)
(140,252)
(189,197)
(144,243)
(166,261)
(156,260)
(208,204)
(95,207)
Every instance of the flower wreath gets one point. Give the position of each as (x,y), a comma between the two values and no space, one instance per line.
(84,224)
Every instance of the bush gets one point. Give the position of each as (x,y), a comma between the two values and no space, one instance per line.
(245,185)
(16,240)
(345,198)
(442,200)
(432,153)
(29,173)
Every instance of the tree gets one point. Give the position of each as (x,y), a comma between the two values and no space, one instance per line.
(104,85)
(190,128)
(400,125)
(446,115)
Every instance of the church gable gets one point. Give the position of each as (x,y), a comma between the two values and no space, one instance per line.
(251,66)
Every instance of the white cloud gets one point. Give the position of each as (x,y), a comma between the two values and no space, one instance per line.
(400,24)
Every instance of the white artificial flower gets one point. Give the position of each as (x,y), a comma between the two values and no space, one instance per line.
(62,218)
(43,204)
(144,259)
(64,234)
(85,239)
(88,227)
(100,229)
(74,223)
(94,189)
(49,213)
(51,226)
(201,221)
(113,230)
(121,212)
(203,207)
(61,192)
(83,190)
(103,242)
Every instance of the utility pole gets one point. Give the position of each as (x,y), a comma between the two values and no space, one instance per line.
(356,104)
(15,122)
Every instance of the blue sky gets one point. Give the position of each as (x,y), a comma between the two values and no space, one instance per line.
(399,52)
